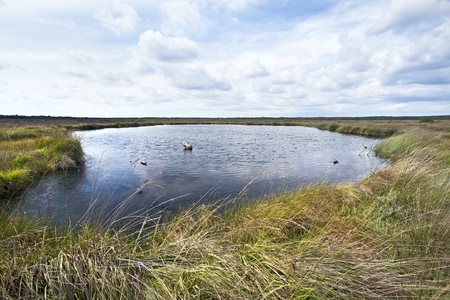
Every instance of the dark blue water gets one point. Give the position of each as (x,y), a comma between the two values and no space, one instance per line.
(227,162)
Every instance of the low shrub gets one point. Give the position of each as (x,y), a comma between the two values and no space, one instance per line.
(333,127)
(426,120)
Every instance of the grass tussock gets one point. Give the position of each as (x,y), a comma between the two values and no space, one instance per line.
(26,153)
(383,238)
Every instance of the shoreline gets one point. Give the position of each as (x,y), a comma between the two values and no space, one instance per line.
(19,178)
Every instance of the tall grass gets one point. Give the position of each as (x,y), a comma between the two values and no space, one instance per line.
(383,238)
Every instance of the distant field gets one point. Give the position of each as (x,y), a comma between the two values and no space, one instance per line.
(369,126)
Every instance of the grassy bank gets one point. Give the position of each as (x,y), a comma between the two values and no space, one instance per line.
(383,238)
(27,153)
(367,126)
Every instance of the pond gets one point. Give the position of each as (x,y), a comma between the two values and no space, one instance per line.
(227,163)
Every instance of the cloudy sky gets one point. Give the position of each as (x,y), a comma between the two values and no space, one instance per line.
(224,58)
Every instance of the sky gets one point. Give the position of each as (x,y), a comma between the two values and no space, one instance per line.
(225,58)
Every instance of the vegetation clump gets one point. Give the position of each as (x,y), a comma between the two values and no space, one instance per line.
(383,238)
(26,153)
(426,120)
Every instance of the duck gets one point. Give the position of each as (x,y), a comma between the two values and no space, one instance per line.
(144,163)
(187,146)
(335,161)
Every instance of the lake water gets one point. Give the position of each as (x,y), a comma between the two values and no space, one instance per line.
(228,162)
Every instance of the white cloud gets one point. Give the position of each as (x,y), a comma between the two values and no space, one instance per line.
(424,60)
(119,18)
(403,14)
(76,71)
(236,5)
(79,56)
(353,54)
(3,66)
(431,51)
(195,76)
(169,49)
(182,17)
(256,69)
(288,76)
(141,64)
(272,89)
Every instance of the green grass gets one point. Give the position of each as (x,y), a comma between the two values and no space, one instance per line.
(383,238)
(26,153)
